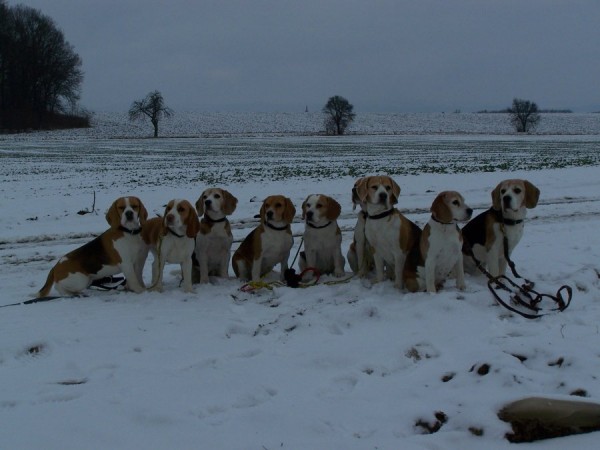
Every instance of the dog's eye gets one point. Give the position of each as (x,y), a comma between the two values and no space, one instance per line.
(205,196)
(217,196)
(456,203)
(503,191)
(180,209)
(121,208)
(319,205)
(517,190)
(278,205)
(388,188)
(374,187)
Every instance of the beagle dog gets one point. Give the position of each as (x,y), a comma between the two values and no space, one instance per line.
(360,256)
(172,239)
(116,250)
(389,233)
(269,243)
(322,235)
(213,241)
(440,248)
(484,236)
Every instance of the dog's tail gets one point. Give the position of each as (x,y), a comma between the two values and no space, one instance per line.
(45,290)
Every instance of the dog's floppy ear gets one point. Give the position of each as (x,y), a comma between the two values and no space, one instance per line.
(289,211)
(395,191)
(532,195)
(200,204)
(143,214)
(263,211)
(193,224)
(496,200)
(361,188)
(440,210)
(112,215)
(229,202)
(333,209)
(304,206)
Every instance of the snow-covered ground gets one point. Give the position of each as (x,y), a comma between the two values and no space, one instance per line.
(345,366)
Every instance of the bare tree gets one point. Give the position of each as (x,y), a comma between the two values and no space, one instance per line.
(338,115)
(153,107)
(524,115)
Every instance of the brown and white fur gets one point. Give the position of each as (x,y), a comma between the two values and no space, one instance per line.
(440,249)
(360,256)
(213,241)
(269,243)
(485,233)
(172,239)
(116,250)
(322,235)
(390,234)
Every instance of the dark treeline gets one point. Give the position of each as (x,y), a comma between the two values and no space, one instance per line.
(40,74)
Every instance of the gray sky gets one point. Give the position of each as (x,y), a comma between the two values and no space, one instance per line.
(383,56)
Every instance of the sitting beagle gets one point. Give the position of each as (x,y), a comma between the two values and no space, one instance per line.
(440,250)
(116,250)
(172,239)
(360,256)
(389,233)
(484,236)
(213,241)
(269,243)
(322,236)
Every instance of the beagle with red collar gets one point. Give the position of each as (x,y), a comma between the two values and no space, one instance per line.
(269,243)
(116,250)
(440,248)
(213,241)
(322,235)
(172,239)
(485,235)
(389,233)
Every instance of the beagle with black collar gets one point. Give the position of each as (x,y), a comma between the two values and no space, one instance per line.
(322,235)
(440,248)
(269,243)
(485,235)
(360,256)
(389,233)
(116,250)
(172,239)
(213,241)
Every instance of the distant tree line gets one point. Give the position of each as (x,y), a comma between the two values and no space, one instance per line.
(40,73)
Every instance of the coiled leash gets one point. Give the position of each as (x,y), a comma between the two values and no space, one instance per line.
(521,295)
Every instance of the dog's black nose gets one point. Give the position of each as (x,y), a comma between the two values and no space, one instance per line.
(506,200)
(269,214)
(309,215)
(382,196)
(207,203)
(129,215)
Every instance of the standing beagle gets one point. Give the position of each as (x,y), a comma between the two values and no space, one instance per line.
(390,234)
(213,241)
(116,250)
(322,235)
(269,243)
(172,239)
(440,248)
(484,236)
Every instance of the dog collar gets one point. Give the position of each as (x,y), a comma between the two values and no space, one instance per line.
(381,215)
(174,234)
(318,228)
(273,227)
(504,220)
(439,221)
(128,231)
(210,219)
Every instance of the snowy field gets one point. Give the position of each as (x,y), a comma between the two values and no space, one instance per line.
(347,366)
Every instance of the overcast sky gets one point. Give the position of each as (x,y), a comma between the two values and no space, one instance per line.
(388,56)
